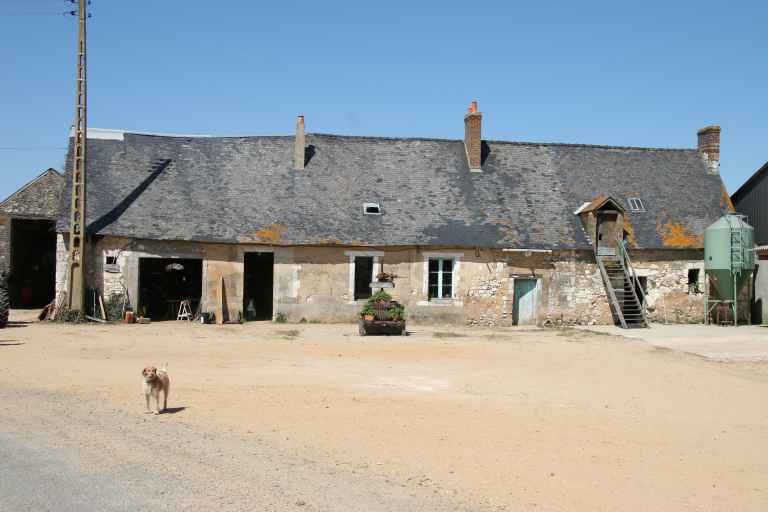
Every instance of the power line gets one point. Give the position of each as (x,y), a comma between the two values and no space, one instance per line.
(37,13)
(68,12)
(30,148)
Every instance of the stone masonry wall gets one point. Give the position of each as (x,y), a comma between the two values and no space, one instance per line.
(315,284)
(5,244)
(669,298)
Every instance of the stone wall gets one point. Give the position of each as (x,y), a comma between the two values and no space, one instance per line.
(5,244)
(669,298)
(62,267)
(574,293)
(316,283)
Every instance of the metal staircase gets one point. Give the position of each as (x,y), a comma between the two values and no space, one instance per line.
(621,286)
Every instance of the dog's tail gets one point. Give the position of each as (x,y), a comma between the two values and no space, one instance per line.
(165,367)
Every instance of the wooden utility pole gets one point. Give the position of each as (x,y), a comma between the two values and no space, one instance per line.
(77,209)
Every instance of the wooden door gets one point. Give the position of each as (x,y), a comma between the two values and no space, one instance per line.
(607,228)
(525,302)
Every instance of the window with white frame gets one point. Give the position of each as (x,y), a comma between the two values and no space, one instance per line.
(440,280)
(635,204)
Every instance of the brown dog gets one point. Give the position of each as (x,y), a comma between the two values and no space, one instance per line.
(155,381)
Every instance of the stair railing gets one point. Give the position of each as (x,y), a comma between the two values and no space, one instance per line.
(615,306)
(629,270)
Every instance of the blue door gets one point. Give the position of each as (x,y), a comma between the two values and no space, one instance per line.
(525,302)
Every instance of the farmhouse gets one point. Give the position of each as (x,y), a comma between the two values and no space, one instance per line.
(475,231)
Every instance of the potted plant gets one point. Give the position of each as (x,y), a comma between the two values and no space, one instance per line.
(367,313)
(396,311)
(380,297)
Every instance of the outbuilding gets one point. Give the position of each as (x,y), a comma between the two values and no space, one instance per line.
(28,240)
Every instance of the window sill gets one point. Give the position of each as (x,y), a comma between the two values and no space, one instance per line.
(440,302)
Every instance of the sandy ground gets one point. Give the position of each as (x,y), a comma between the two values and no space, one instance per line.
(500,420)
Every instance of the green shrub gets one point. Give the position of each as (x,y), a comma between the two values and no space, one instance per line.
(367,310)
(396,311)
(113,307)
(380,296)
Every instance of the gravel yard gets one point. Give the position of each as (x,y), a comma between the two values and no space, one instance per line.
(313,417)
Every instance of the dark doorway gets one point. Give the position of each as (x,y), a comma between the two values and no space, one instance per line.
(32,279)
(363,277)
(257,285)
(165,282)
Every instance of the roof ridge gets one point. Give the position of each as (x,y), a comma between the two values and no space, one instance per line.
(29,184)
(496,141)
(113,133)
(751,179)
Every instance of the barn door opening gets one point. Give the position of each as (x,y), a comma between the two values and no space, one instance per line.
(257,285)
(165,282)
(33,263)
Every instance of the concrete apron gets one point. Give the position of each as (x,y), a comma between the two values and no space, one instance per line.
(744,343)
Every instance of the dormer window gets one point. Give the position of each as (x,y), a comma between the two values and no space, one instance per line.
(635,204)
(371,209)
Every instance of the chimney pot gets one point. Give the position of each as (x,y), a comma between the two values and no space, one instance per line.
(709,146)
(473,142)
(299,144)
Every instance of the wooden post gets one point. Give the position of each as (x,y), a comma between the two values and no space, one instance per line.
(220,302)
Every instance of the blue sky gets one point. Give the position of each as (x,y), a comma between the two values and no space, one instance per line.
(617,73)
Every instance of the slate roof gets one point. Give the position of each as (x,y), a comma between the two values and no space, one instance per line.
(244,189)
(37,199)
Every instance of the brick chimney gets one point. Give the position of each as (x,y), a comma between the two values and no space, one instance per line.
(299,145)
(709,146)
(473,138)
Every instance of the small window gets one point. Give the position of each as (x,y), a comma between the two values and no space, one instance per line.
(363,277)
(636,204)
(371,209)
(110,262)
(440,278)
(693,281)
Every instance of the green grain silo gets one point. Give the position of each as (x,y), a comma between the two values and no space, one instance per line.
(729,261)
